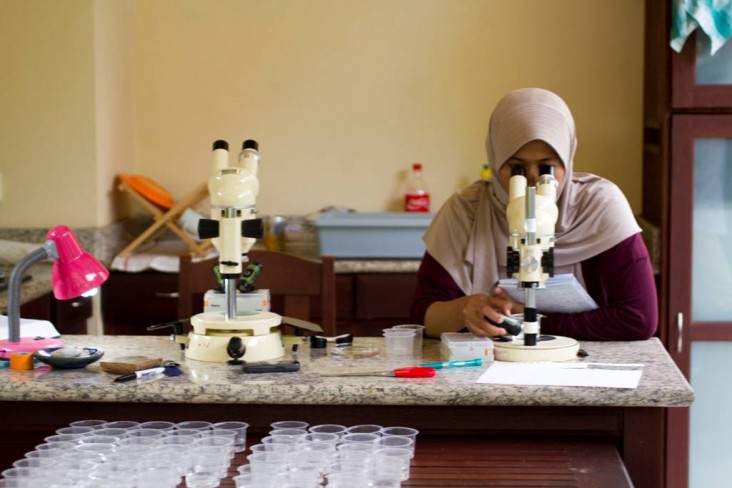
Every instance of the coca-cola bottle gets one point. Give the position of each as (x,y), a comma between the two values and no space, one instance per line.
(417,199)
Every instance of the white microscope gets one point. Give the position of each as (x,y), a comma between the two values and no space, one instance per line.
(233,228)
(532,215)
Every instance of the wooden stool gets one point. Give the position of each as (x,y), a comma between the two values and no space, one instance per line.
(156,200)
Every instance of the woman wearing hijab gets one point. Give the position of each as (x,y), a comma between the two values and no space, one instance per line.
(597,237)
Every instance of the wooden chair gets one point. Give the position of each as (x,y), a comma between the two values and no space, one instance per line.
(293,283)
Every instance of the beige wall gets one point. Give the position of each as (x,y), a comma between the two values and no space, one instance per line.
(342,95)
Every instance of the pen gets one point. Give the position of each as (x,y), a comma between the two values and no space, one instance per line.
(454,364)
(139,374)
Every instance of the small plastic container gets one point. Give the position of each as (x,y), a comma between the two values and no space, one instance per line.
(399,342)
(464,346)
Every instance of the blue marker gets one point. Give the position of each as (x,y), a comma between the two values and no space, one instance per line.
(454,364)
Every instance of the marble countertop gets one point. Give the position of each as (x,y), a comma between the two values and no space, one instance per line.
(661,385)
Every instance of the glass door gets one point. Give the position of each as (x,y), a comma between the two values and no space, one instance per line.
(699,79)
(700,292)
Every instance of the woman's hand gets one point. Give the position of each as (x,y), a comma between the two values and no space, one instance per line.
(479,308)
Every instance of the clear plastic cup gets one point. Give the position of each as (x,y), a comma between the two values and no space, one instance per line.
(267,463)
(403,432)
(359,452)
(399,342)
(328,429)
(202,480)
(121,424)
(157,425)
(418,337)
(94,423)
(43,463)
(74,430)
(395,441)
(240,430)
(73,438)
(348,479)
(364,429)
(394,458)
(184,433)
(289,424)
(194,424)
(332,439)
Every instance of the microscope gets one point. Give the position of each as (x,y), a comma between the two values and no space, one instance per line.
(532,215)
(233,229)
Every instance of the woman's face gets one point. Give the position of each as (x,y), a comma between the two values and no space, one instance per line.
(532,156)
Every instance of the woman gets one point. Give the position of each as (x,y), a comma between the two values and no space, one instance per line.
(597,237)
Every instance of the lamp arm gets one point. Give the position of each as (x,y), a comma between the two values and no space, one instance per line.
(47,250)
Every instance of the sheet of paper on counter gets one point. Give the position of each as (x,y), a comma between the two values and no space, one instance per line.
(29,328)
(599,375)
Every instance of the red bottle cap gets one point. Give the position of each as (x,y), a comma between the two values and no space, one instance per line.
(416,166)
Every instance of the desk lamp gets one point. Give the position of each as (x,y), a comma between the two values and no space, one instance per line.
(75,273)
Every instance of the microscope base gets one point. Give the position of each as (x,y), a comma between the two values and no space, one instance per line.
(557,348)
(259,332)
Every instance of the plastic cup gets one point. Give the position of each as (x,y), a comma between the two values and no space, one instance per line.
(74,430)
(240,430)
(356,452)
(328,429)
(42,463)
(73,438)
(364,429)
(395,441)
(94,423)
(157,425)
(403,432)
(121,424)
(194,424)
(202,480)
(418,336)
(331,439)
(268,463)
(350,438)
(184,433)
(395,458)
(399,342)
(289,424)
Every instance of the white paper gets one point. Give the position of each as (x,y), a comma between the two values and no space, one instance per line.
(563,294)
(29,328)
(597,375)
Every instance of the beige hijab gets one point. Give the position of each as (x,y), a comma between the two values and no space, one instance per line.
(468,236)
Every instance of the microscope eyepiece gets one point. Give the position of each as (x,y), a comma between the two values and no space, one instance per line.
(546,169)
(220,144)
(518,170)
(250,144)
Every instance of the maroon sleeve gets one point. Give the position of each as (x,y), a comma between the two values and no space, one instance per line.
(621,281)
(434,284)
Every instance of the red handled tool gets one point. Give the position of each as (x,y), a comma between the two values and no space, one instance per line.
(412,372)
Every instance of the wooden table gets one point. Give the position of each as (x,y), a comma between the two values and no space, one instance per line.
(478,424)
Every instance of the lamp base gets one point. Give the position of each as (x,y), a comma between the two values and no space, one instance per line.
(27,344)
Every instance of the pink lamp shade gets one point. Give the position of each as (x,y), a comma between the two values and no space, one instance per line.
(75,271)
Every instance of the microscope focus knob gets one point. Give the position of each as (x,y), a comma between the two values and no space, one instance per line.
(513,261)
(252,228)
(208,228)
